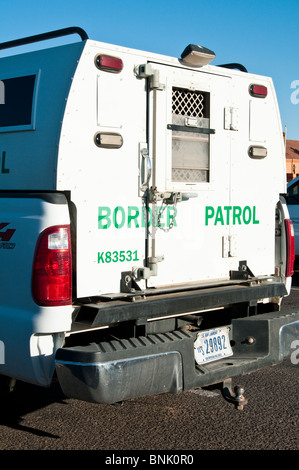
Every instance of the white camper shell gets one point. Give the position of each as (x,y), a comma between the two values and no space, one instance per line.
(140,243)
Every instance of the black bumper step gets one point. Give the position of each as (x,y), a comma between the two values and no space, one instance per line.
(113,371)
(115,311)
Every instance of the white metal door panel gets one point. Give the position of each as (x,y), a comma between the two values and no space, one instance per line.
(103,181)
(195,248)
(254,227)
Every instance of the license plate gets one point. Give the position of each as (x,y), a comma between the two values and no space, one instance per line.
(211,345)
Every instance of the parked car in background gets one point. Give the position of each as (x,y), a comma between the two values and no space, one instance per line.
(293,207)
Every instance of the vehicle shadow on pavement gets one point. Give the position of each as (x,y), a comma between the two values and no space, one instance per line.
(27,398)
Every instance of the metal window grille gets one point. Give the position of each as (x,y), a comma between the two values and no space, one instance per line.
(190,151)
(188,103)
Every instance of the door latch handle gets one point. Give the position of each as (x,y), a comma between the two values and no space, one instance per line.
(186,196)
(147,167)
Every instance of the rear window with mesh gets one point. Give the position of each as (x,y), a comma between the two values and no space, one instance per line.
(190,150)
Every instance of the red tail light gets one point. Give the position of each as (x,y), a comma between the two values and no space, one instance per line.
(258,91)
(52,268)
(290,247)
(109,63)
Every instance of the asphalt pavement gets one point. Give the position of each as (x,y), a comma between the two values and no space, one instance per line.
(35,418)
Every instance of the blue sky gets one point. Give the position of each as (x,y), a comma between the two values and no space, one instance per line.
(263,35)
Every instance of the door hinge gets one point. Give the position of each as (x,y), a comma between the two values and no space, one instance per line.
(153,75)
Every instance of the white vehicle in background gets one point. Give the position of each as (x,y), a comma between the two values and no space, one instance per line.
(293,208)
(141,250)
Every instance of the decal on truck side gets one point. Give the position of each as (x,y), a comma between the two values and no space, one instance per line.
(3,164)
(132,216)
(5,236)
(117,256)
(227,215)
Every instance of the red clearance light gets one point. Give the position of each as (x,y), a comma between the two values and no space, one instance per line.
(290,247)
(109,63)
(52,268)
(259,91)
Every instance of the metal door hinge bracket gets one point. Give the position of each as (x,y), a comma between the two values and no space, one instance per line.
(243,272)
(153,75)
(129,285)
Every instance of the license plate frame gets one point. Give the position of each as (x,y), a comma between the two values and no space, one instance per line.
(212,345)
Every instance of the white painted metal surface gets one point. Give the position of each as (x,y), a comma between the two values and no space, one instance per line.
(111,141)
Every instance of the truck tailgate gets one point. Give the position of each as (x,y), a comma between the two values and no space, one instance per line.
(26,328)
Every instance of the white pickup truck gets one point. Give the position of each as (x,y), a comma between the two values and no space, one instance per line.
(140,250)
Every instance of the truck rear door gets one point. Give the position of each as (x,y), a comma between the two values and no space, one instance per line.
(190,179)
(257,157)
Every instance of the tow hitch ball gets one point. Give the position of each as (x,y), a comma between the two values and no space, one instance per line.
(235,395)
